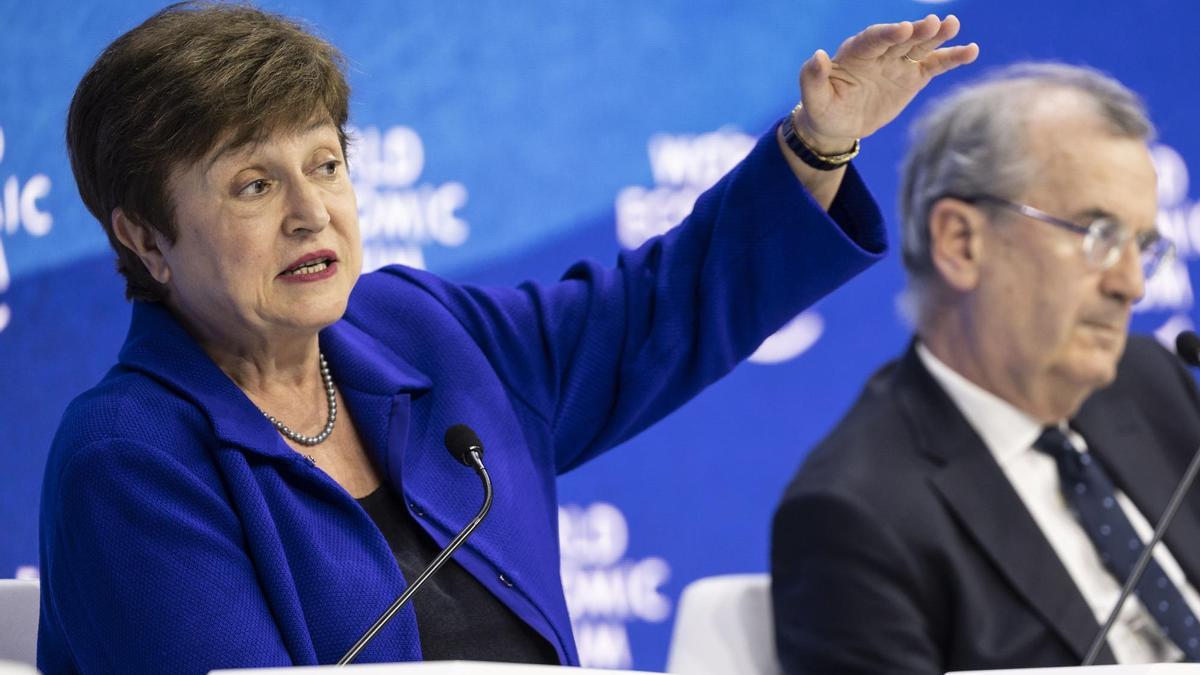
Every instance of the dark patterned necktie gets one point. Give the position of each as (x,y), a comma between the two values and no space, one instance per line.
(1090,491)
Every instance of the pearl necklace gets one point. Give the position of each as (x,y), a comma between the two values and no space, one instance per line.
(331,401)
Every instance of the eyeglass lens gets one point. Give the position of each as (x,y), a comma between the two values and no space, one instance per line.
(1106,238)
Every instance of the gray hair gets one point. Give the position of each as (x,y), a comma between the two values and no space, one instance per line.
(972,143)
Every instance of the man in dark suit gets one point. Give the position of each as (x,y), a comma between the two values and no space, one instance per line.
(981,504)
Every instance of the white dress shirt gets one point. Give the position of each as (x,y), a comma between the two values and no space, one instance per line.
(1009,434)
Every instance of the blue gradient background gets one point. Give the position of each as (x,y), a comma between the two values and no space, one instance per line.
(543,111)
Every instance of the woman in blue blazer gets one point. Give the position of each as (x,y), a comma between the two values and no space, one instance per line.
(262,471)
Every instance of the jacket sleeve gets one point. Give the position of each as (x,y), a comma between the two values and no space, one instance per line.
(605,352)
(844,594)
(148,569)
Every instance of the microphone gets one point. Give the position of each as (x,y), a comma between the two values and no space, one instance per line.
(465,446)
(463,443)
(1187,346)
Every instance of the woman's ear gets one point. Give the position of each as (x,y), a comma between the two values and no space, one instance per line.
(143,241)
(956,242)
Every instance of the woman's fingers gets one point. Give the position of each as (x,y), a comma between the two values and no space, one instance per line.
(921,49)
(923,31)
(875,41)
(949,58)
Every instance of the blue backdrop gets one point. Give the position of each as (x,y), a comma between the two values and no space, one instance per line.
(499,141)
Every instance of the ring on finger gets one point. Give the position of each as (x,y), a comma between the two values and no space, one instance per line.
(910,59)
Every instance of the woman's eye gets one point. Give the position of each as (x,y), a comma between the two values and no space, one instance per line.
(255,188)
(330,168)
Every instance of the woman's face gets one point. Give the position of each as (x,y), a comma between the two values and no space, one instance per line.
(267,241)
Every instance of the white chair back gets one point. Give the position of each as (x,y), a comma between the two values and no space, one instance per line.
(724,625)
(19,604)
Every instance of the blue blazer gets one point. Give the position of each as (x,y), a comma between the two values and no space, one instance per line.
(179,533)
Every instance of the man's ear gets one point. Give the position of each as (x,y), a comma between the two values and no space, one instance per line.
(956,242)
(143,241)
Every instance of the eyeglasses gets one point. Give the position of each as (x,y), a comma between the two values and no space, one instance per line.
(1103,238)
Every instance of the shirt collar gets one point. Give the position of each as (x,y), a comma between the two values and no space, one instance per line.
(1006,430)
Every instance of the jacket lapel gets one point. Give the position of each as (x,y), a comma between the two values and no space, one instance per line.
(376,383)
(159,347)
(1119,436)
(976,491)
(378,387)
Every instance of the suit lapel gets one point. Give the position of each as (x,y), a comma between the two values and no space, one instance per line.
(1120,437)
(977,492)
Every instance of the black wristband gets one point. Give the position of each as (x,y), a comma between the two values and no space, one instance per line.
(808,155)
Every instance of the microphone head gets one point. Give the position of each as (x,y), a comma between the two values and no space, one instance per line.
(460,441)
(1187,345)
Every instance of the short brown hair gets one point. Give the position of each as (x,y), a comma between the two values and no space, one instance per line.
(163,94)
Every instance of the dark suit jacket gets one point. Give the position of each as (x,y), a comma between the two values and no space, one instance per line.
(900,546)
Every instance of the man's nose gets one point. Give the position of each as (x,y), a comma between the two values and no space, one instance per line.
(1126,278)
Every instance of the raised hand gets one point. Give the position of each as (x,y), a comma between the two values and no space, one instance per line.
(872,78)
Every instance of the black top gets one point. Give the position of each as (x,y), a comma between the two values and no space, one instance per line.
(457,618)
